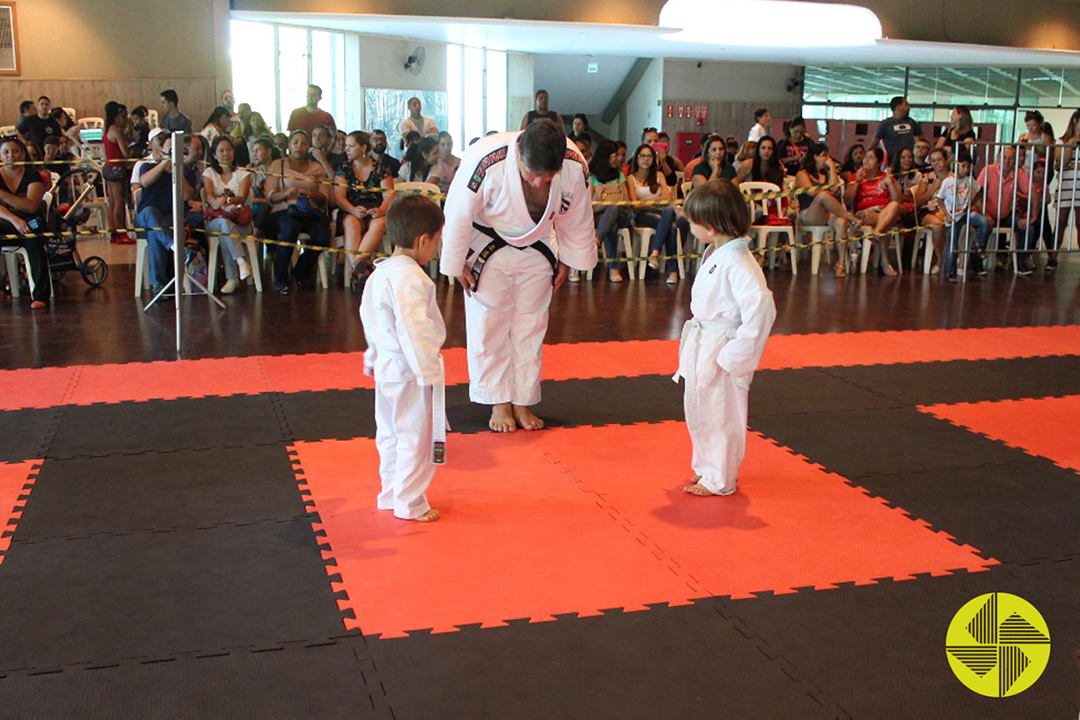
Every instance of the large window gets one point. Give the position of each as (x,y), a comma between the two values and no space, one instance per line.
(384,109)
(272,65)
(998,95)
(476,89)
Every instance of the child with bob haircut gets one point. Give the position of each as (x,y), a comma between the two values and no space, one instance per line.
(721,346)
(405,333)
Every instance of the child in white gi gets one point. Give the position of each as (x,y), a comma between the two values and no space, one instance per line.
(721,345)
(405,332)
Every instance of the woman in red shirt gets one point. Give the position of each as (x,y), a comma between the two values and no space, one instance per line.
(875,199)
(117,140)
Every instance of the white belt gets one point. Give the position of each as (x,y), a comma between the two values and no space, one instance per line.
(690,342)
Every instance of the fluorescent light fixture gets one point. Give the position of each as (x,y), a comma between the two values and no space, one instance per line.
(769,23)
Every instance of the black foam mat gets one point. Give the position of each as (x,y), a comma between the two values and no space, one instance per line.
(967,381)
(1015,511)
(893,440)
(25,433)
(880,648)
(159,491)
(333,682)
(128,427)
(810,390)
(329,414)
(683,662)
(159,593)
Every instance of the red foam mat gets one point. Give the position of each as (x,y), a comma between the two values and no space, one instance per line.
(343,371)
(566,521)
(14,479)
(1043,426)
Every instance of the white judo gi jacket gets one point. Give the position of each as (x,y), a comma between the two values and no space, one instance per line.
(405,332)
(506,317)
(721,346)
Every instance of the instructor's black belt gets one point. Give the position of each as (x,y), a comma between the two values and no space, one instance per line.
(497,243)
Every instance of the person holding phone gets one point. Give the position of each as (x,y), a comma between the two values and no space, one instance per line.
(666,163)
(21,191)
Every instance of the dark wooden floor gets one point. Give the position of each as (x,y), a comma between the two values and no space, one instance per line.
(87,326)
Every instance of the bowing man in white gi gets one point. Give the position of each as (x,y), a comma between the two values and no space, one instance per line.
(405,332)
(733,312)
(518,212)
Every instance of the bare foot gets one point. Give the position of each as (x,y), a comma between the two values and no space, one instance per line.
(696,489)
(430,516)
(526,419)
(502,418)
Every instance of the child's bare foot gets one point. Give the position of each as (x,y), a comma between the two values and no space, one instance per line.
(430,516)
(502,418)
(526,419)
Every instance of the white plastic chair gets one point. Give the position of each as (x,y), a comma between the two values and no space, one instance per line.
(818,234)
(762,233)
(253,261)
(12,254)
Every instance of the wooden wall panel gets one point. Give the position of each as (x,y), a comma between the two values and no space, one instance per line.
(88,97)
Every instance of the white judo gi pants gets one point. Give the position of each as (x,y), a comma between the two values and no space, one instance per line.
(506,318)
(716,417)
(403,435)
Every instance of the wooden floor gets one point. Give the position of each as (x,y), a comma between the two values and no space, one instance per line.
(108,325)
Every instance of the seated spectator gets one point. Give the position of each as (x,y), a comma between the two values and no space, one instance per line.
(257,129)
(579,126)
(853,160)
(911,184)
(422,162)
(762,120)
(281,144)
(649,136)
(448,160)
(22,215)
(922,155)
(416,122)
(59,162)
(958,195)
(929,211)
(1001,183)
(820,206)
(361,207)
(152,186)
(1032,220)
(262,157)
(747,152)
(876,201)
(339,143)
(196,156)
(793,148)
(35,128)
(380,155)
(310,116)
(733,147)
(217,123)
(297,189)
(620,151)
(714,164)
(411,138)
(961,130)
(584,145)
(541,112)
(240,126)
(226,189)
(667,163)
(698,155)
(764,166)
(608,185)
(170,117)
(647,183)
(322,151)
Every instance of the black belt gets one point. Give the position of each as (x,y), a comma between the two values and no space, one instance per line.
(497,243)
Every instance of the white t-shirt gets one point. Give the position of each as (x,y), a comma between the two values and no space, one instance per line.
(643,192)
(757,132)
(233,185)
(429,128)
(956,202)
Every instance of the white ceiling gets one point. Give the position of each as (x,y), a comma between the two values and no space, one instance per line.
(553,38)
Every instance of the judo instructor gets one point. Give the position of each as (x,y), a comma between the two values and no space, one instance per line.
(518,218)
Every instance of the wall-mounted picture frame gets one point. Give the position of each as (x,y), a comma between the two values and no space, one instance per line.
(9,40)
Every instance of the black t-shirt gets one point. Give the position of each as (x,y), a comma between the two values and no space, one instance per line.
(791,154)
(393,165)
(667,165)
(159,194)
(36,130)
(897,134)
(727,171)
(30,176)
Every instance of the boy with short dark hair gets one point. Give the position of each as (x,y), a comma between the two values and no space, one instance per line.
(722,344)
(405,332)
(957,195)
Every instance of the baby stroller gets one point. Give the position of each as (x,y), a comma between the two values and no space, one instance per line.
(62,223)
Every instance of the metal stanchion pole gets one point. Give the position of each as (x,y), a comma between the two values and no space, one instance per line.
(178,228)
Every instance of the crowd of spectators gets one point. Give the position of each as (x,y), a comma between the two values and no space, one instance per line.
(319,182)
